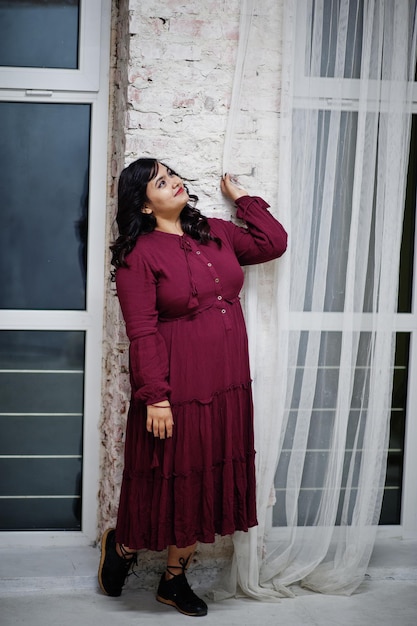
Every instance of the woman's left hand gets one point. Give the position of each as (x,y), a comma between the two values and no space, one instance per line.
(230,189)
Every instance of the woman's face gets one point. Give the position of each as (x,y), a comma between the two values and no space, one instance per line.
(166,194)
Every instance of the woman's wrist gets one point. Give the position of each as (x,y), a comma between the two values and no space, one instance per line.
(158,405)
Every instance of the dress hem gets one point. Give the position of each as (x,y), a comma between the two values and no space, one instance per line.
(182,544)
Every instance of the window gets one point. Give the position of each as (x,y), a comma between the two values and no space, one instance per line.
(42,390)
(53,123)
(326,88)
(50,45)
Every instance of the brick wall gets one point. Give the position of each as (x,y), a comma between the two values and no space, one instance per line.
(172,73)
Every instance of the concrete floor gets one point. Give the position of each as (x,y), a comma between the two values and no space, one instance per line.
(385,603)
(54,586)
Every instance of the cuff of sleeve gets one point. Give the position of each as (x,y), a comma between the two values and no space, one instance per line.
(245,202)
(152,396)
(150,402)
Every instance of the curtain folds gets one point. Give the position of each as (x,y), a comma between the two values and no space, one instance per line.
(321,320)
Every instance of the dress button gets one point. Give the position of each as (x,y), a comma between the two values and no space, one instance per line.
(223,310)
(219,298)
(209,265)
(198,252)
(217,280)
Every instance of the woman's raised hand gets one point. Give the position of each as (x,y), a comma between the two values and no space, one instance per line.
(230,188)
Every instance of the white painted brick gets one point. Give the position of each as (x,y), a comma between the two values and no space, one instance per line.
(183,52)
(148,50)
(211,127)
(150,100)
(140,75)
(155,25)
(230,30)
(144,121)
(195,28)
(188,7)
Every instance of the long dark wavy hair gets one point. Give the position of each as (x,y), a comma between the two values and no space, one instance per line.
(133,222)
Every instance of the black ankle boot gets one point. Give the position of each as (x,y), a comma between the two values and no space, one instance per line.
(177,593)
(113,569)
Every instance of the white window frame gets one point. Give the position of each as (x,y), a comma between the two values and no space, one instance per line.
(343,94)
(86,77)
(89,320)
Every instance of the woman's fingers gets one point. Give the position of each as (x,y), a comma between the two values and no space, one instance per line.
(160,422)
(230,187)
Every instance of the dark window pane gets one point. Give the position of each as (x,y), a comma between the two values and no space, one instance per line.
(39,33)
(41,514)
(391,505)
(328,30)
(41,434)
(338,28)
(340,233)
(41,418)
(42,349)
(44,165)
(405,293)
(39,476)
(323,419)
(36,392)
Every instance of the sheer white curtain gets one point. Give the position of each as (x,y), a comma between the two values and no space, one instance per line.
(321,321)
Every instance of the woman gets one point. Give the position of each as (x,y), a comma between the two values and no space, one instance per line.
(189,455)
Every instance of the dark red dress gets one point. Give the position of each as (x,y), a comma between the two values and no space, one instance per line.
(188,343)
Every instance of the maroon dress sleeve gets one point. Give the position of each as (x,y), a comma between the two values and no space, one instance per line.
(264,238)
(148,359)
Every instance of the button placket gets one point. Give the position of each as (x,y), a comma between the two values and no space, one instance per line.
(217,286)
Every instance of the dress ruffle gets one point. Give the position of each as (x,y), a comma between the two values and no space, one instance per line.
(199,483)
